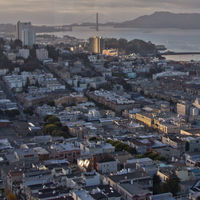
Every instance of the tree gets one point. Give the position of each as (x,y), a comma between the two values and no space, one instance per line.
(141,47)
(120,146)
(93,139)
(53,53)
(2,43)
(58,124)
(187,146)
(64,105)
(52,120)
(171,185)
(33,53)
(122,43)
(4,62)
(152,155)
(12,113)
(29,111)
(12,196)
(51,103)
(156,184)
(133,46)
(31,64)
(37,84)
(59,133)
(1,112)
(65,129)
(16,44)
(160,158)
(49,128)
(47,117)
(111,43)
(25,88)
(54,127)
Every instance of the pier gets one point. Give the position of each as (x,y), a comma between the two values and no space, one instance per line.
(179,53)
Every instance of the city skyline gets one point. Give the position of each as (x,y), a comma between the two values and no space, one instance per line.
(54,12)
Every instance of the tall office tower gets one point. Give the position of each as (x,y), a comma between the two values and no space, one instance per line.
(18,31)
(28,37)
(25,33)
(96,44)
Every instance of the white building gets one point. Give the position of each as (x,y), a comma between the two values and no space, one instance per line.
(3,71)
(91,178)
(96,148)
(81,195)
(42,54)
(93,115)
(11,56)
(25,33)
(24,53)
(107,167)
(28,37)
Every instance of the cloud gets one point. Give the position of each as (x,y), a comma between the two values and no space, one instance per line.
(70,11)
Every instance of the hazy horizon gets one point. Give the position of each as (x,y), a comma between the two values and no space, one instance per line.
(94,21)
(52,12)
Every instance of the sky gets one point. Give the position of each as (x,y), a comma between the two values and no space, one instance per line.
(52,12)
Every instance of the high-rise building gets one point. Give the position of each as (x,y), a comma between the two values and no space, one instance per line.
(96,44)
(28,37)
(25,33)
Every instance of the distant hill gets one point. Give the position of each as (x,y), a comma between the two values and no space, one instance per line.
(7,28)
(156,20)
(164,20)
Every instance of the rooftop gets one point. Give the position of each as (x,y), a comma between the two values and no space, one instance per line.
(64,147)
(135,189)
(128,176)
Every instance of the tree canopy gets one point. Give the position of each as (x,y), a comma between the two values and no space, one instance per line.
(4,62)
(134,46)
(54,127)
(12,196)
(120,146)
(152,155)
(170,185)
(15,44)
(52,119)
(12,113)
(53,53)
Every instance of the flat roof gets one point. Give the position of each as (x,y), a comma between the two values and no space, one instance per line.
(135,189)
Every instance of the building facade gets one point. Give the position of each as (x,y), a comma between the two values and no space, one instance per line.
(96,45)
(25,33)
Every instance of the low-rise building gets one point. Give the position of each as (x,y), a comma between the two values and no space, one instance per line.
(165,196)
(165,173)
(192,159)
(42,54)
(192,144)
(144,118)
(175,142)
(106,166)
(93,148)
(65,151)
(81,195)
(194,192)
(24,53)
(42,153)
